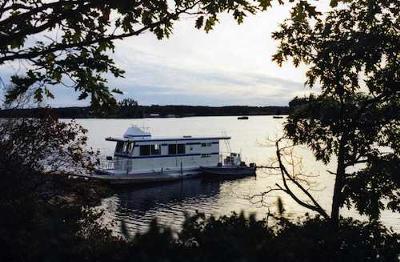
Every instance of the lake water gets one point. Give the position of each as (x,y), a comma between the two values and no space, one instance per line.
(169,203)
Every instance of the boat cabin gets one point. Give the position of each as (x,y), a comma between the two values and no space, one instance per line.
(138,151)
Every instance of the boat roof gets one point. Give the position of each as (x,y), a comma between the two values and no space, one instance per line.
(136,134)
(166,139)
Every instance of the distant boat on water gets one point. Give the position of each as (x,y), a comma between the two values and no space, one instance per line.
(277,117)
(243,118)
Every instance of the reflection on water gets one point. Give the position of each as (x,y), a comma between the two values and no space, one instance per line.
(169,202)
(140,201)
(137,206)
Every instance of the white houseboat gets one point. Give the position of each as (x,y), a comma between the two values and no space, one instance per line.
(139,157)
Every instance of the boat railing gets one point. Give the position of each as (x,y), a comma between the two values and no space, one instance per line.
(229,158)
(106,164)
(113,164)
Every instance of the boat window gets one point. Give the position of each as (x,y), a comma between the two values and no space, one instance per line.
(181,148)
(119,147)
(145,150)
(176,149)
(172,149)
(205,144)
(155,149)
(128,147)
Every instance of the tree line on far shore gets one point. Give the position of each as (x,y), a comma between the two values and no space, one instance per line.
(129,108)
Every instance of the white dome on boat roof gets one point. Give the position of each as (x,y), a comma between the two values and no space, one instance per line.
(136,132)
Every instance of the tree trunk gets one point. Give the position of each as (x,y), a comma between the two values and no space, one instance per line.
(339,182)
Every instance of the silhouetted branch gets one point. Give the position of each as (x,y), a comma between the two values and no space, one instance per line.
(260,197)
(286,175)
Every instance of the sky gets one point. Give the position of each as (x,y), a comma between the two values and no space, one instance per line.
(231,65)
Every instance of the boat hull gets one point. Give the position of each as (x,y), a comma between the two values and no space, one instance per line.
(229,171)
(145,177)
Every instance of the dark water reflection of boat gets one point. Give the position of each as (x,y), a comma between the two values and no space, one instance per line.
(169,202)
(147,197)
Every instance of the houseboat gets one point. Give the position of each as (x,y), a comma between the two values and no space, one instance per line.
(140,158)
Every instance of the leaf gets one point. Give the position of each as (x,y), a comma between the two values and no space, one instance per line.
(38,95)
(199,22)
(211,21)
(116,91)
(48,93)
(264,4)
(83,96)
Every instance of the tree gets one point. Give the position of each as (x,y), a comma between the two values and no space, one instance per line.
(69,42)
(46,215)
(128,107)
(353,54)
(45,145)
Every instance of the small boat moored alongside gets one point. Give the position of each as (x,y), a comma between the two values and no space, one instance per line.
(232,166)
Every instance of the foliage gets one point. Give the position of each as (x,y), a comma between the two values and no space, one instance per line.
(69,42)
(47,218)
(375,187)
(46,215)
(371,146)
(46,145)
(359,39)
(240,238)
(128,107)
(353,56)
(321,116)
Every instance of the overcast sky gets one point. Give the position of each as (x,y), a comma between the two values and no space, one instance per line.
(231,65)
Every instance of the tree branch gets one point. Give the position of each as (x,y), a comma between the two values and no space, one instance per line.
(30,54)
(284,173)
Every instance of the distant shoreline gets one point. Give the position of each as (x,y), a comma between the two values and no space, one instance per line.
(153,111)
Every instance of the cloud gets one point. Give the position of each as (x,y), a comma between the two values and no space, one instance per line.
(152,82)
(230,65)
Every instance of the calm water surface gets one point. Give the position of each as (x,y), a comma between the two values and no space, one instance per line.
(169,203)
